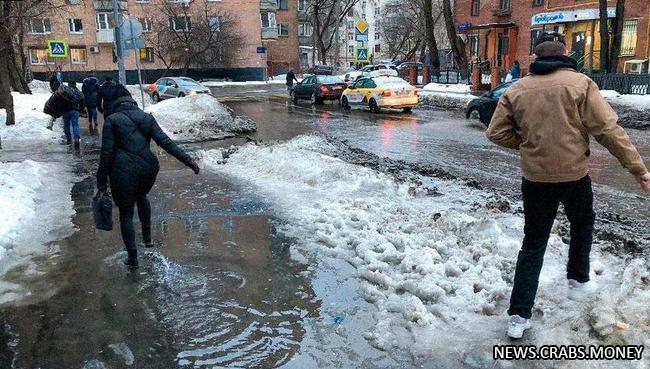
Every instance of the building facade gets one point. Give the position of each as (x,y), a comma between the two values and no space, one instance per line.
(283,51)
(88,29)
(343,52)
(498,32)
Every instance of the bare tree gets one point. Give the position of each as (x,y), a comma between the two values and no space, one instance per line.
(457,45)
(604,37)
(187,37)
(402,29)
(326,17)
(430,35)
(617,34)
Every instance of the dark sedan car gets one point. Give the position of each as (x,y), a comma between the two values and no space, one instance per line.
(326,70)
(318,88)
(484,106)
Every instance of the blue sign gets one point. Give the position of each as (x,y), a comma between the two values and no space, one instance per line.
(261,50)
(464,26)
(548,18)
(57,48)
(362,54)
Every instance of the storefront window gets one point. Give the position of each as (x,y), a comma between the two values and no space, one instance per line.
(628,44)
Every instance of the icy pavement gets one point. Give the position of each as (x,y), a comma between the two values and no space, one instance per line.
(435,259)
(36,210)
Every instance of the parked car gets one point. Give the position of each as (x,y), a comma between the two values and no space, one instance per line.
(318,88)
(365,72)
(325,70)
(169,87)
(383,89)
(483,107)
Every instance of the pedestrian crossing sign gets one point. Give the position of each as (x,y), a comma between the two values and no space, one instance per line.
(361,55)
(57,49)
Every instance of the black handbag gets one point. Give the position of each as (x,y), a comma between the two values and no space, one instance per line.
(103,211)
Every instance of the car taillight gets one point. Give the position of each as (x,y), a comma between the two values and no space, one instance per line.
(386,93)
(324,88)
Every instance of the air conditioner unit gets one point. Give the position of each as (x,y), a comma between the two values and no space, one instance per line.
(636,68)
(94,49)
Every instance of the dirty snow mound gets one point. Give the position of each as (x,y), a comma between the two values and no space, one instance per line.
(194,118)
(36,209)
(134,90)
(31,122)
(39,87)
(438,268)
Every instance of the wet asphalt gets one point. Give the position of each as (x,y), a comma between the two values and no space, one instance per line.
(220,290)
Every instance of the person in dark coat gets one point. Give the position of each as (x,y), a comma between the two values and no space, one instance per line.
(75,104)
(131,166)
(90,89)
(54,83)
(290,78)
(106,96)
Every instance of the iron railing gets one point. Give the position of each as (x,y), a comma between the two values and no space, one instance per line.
(636,84)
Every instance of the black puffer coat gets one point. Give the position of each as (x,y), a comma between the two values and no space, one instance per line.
(108,93)
(125,155)
(90,89)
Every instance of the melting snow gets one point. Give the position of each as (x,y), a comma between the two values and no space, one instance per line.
(31,122)
(439,269)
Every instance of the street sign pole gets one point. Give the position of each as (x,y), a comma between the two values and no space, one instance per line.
(118,43)
(137,65)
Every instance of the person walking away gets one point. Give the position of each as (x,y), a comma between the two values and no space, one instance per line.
(54,83)
(106,96)
(128,164)
(515,70)
(290,78)
(548,116)
(90,89)
(74,104)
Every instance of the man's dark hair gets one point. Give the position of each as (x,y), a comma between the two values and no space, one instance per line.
(108,79)
(550,37)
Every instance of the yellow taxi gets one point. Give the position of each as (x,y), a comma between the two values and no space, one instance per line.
(383,89)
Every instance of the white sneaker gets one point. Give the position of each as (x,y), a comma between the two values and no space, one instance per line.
(517,326)
(580,291)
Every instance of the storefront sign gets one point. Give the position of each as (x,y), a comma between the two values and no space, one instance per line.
(569,16)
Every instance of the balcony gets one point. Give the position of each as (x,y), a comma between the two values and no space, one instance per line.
(268,5)
(502,12)
(269,33)
(105,36)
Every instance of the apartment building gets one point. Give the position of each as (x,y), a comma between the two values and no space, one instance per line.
(88,29)
(501,31)
(369,11)
(283,50)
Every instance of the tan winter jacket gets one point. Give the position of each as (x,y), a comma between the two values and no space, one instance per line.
(549,118)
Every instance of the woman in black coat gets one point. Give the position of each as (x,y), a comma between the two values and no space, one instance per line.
(131,166)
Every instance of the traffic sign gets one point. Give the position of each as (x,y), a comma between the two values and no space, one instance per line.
(361,54)
(57,49)
(132,43)
(362,27)
(131,28)
(261,50)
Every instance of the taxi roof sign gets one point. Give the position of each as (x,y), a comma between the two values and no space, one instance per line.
(57,49)
(362,26)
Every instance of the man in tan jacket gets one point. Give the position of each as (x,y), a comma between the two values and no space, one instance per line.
(548,116)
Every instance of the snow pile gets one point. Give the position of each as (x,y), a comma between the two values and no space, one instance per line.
(36,209)
(134,90)
(31,122)
(274,81)
(39,87)
(197,118)
(638,102)
(439,269)
(459,88)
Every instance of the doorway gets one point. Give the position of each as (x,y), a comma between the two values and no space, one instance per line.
(578,48)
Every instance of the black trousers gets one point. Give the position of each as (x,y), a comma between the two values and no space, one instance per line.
(541,202)
(126,223)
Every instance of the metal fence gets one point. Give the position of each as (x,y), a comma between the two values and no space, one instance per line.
(636,84)
(449,76)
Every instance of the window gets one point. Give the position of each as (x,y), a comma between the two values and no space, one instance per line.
(182,23)
(303,5)
(377,48)
(534,34)
(628,43)
(146,54)
(39,57)
(377,36)
(78,55)
(147,24)
(350,24)
(304,29)
(538,2)
(283,30)
(351,50)
(75,25)
(474,45)
(476,8)
(268,20)
(350,36)
(283,4)
(40,26)
(214,22)
(105,21)
(503,47)
(505,5)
